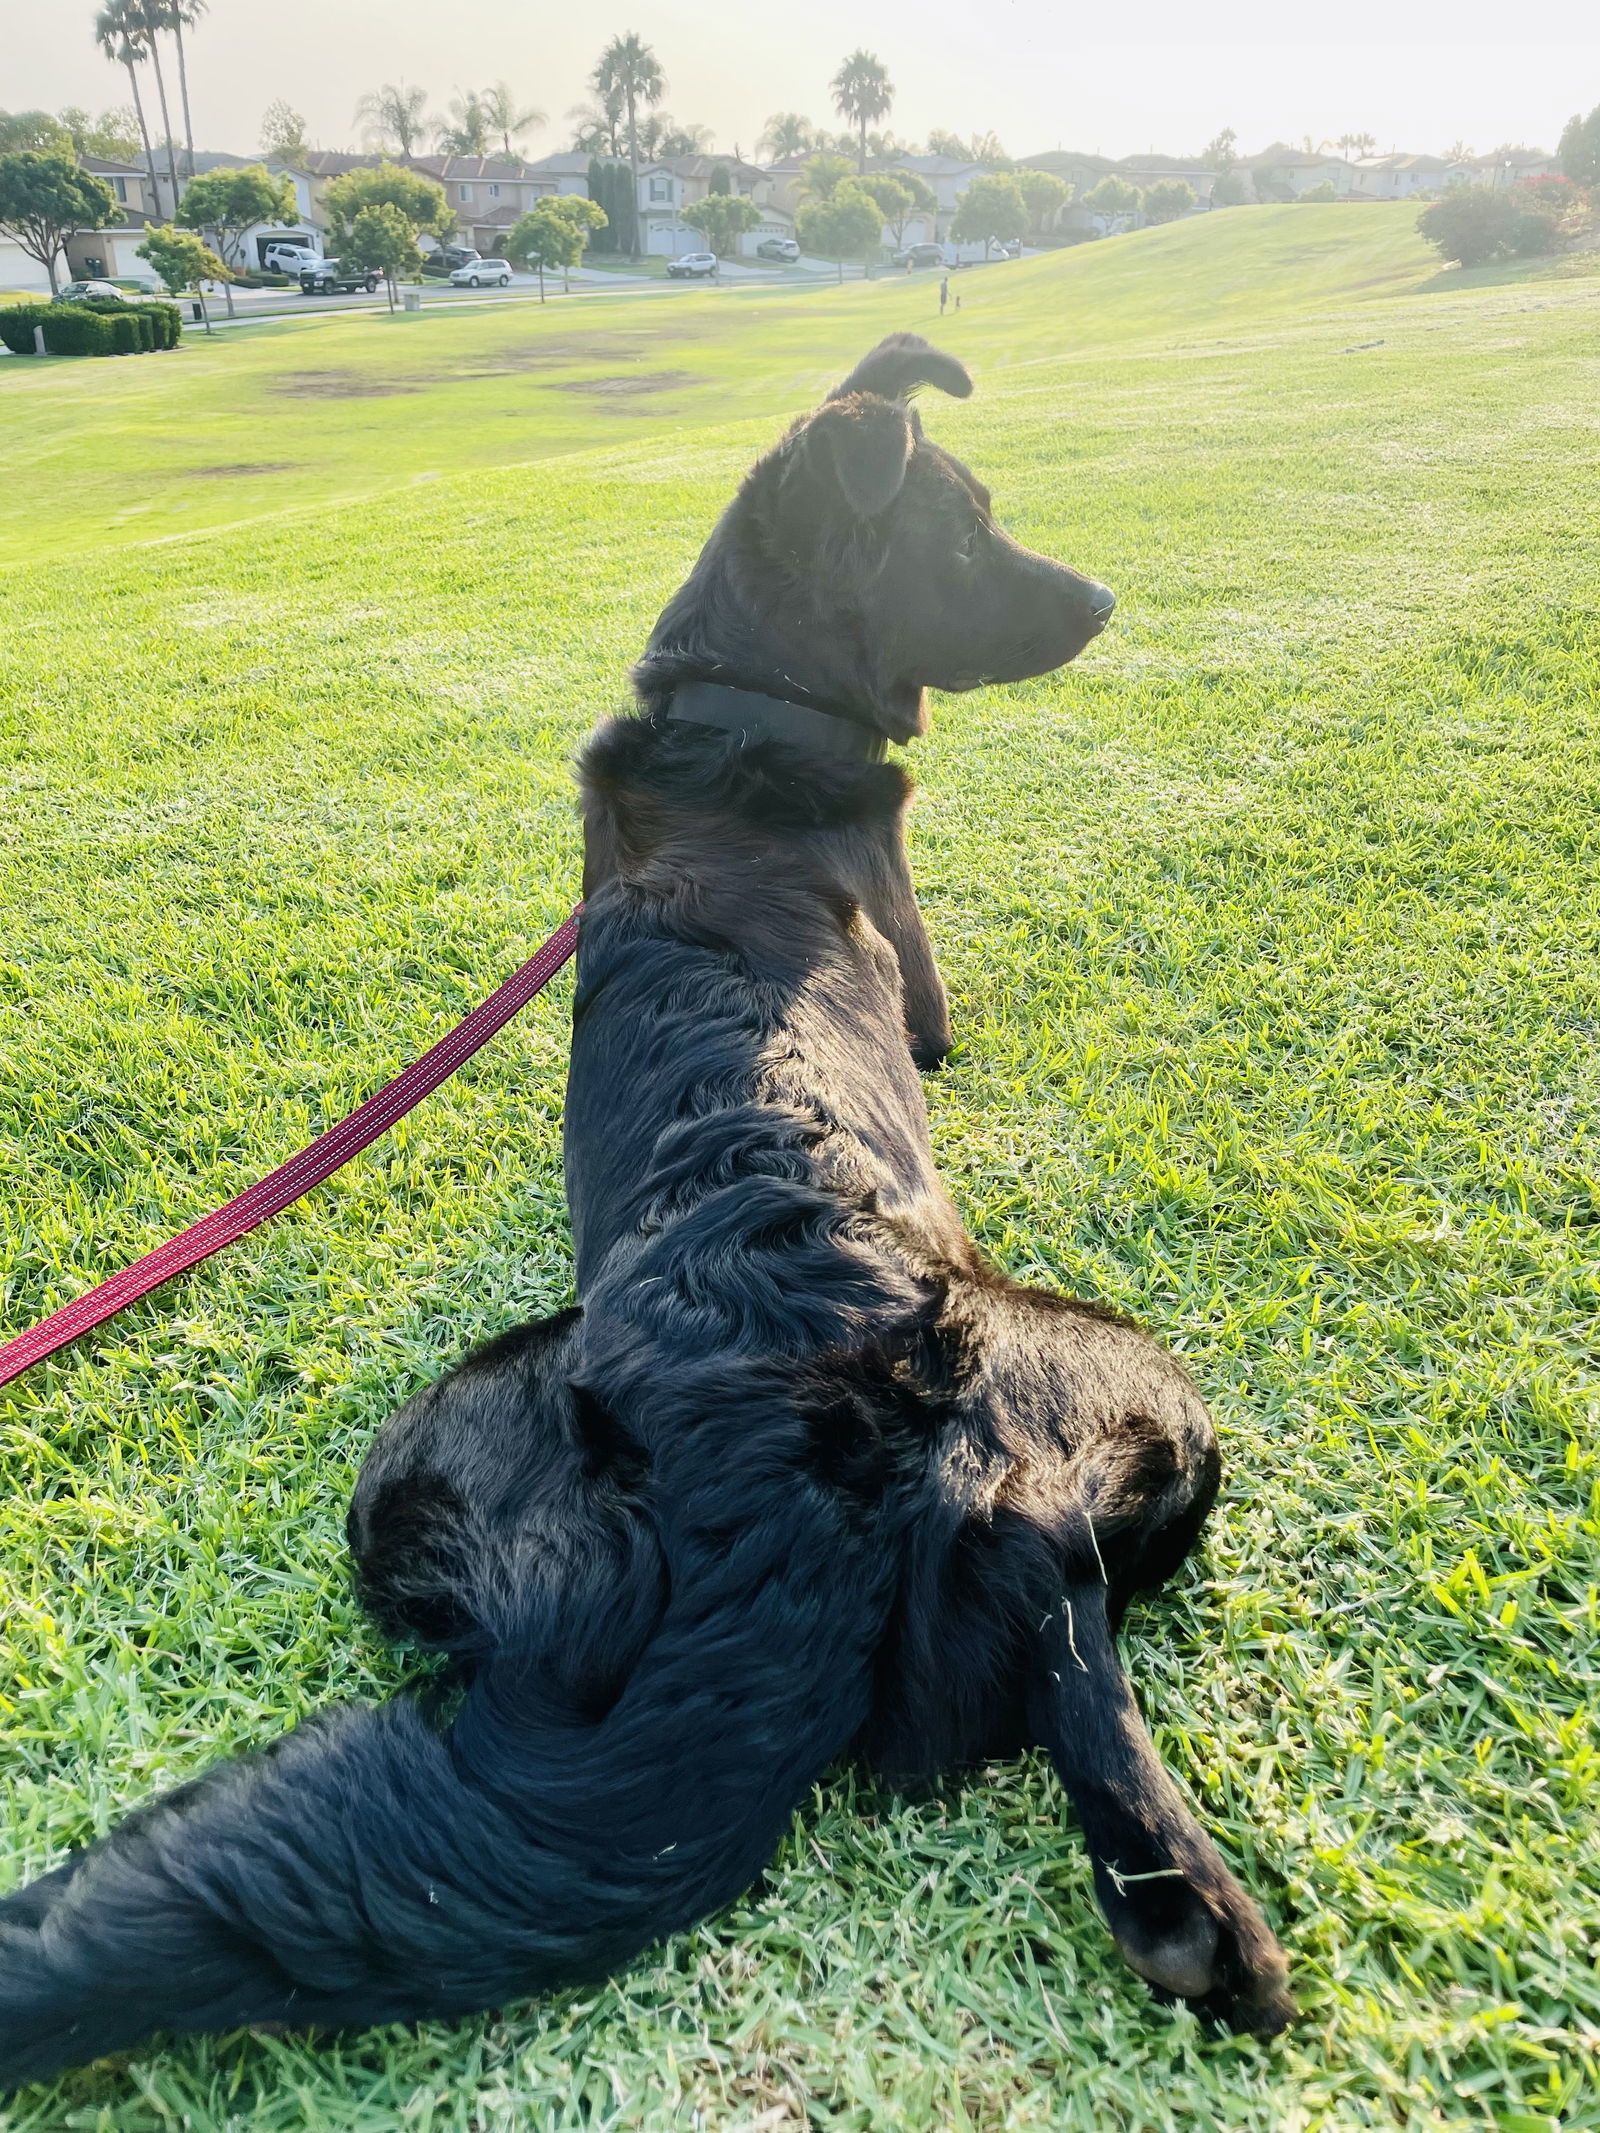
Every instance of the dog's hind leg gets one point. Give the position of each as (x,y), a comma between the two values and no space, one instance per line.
(1177,1913)
(502,1506)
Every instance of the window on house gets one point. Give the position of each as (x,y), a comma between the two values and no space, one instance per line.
(661,188)
(494,192)
(463,192)
(121,185)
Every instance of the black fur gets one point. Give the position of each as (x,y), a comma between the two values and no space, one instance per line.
(800,1476)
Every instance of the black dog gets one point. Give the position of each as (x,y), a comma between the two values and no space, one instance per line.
(800,1475)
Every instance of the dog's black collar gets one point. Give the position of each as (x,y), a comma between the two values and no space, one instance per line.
(756,717)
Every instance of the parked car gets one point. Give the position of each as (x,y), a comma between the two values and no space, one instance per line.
(446,261)
(287,258)
(783,248)
(76,291)
(693,266)
(327,277)
(920,255)
(481,273)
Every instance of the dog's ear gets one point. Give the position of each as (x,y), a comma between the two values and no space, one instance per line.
(898,365)
(857,450)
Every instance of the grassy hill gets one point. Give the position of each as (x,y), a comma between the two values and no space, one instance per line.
(1274,939)
(280,415)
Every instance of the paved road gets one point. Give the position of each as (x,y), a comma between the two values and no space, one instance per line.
(586,281)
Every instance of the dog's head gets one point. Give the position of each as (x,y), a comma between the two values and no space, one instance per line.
(863,564)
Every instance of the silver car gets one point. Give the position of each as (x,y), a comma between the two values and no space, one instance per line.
(483,273)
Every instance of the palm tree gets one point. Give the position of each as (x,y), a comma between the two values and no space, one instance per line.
(785,136)
(397,114)
(862,92)
(151,17)
(503,116)
(181,15)
(598,127)
(468,131)
(627,68)
(118,35)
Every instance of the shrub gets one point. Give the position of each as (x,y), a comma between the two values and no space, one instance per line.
(168,322)
(75,330)
(1533,232)
(123,328)
(16,327)
(1469,225)
(1327,190)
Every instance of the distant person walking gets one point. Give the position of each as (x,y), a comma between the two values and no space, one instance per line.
(944,294)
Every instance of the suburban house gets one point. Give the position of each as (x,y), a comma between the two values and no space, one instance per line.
(488,194)
(1399,177)
(672,185)
(1511,166)
(568,171)
(1280,173)
(1145,171)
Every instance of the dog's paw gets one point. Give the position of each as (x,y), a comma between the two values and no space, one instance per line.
(1196,1936)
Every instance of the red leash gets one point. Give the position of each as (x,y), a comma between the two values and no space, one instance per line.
(283,1186)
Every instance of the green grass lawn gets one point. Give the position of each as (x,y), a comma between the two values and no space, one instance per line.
(1273,931)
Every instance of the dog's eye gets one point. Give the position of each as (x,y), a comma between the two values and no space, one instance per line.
(969,547)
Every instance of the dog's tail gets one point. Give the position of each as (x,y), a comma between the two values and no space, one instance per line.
(374,1866)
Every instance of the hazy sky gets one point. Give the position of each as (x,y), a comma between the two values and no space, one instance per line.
(1416,73)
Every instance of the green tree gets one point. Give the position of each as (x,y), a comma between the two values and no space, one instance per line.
(991,208)
(1579,151)
(721,219)
(35,133)
(1355,145)
(508,118)
(394,117)
(45,200)
(226,202)
(1043,195)
(120,34)
(382,240)
(630,71)
(185,262)
(1169,199)
(721,181)
(1230,190)
(824,174)
(846,225)
(611,189)
(1114,198)
(1318,195)
(1218,153)
(891,194)
(862,92)
(283,132)
(1470,225)
(785,136)
(113,135)
(553,234)
(417,196)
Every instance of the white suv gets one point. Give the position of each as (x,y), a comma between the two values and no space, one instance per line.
(286,258)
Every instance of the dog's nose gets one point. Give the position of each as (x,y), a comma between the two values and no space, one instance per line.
(1101,602)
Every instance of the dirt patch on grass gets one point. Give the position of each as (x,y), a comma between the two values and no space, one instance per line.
(644,381)
(339,385)
(245,466)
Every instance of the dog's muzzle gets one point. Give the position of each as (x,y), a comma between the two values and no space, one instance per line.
(1102,600)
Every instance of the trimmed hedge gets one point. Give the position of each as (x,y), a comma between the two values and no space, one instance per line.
(17,324)
(98,326)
